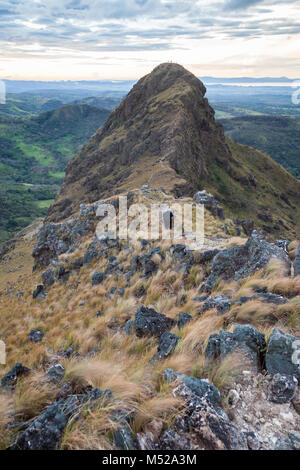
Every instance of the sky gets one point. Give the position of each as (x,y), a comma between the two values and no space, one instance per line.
(125,39)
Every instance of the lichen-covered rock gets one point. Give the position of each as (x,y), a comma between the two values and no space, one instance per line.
(201,388)
(282,388)
(210,203)
(55,239)
(171,440)
(183,319)
(220,302)
(149,322)
(245,339)
(123,436)
(11,377)
(208,423)
(48,277)
(97,278)
(167,343)
(35,336)
(45,432)
(143,263)
(283,354)
(239,262)
(56,372)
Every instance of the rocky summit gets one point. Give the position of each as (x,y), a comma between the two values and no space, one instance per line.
(147,343)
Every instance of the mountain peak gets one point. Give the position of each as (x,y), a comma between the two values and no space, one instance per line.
(164,134)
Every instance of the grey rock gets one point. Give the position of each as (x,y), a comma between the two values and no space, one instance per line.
(201,388)
(123,436)
(239,262)
(97,278)
(220,302)
(45,432)
(295,439)
(183,319)
(210,203)
(149,322)
(208,255)
(48,277)
(252,440)
(38,291)
(283,354)
(245,338)
(170,440)
(209,423)
(56,372)
(282,388)
(35,336)
(129,327)
(166,345)
(270,298)
(10,379)
(55,239)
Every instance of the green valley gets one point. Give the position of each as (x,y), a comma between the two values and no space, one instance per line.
(34,152)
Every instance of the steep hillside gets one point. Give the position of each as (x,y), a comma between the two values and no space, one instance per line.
(277,136)
(164,134)
(33,155)
(120,344)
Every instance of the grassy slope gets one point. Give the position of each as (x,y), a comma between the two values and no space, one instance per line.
(279,137)
(121,362)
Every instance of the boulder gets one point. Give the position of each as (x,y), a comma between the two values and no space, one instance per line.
(35,336)
(149,322)
(56,372)
(10,379)
(123,436)
(183,319)
(239,262)
(201,388)
(207,255)
(39,292)
(210,203)
(45,432)
(55,239)
(245,339)
(282,388)
(207,423)
(297,262)
(48,277)
(283,354)
(220,302)
(97,278)
(167,343)
(142,263)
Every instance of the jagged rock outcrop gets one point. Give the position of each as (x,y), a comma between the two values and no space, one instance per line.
(245,339)
(238,262)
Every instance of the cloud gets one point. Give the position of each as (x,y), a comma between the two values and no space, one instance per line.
(240,4)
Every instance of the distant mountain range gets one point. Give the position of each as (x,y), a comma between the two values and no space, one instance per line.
(20,86)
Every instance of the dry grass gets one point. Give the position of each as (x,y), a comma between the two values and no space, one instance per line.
(108,358)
